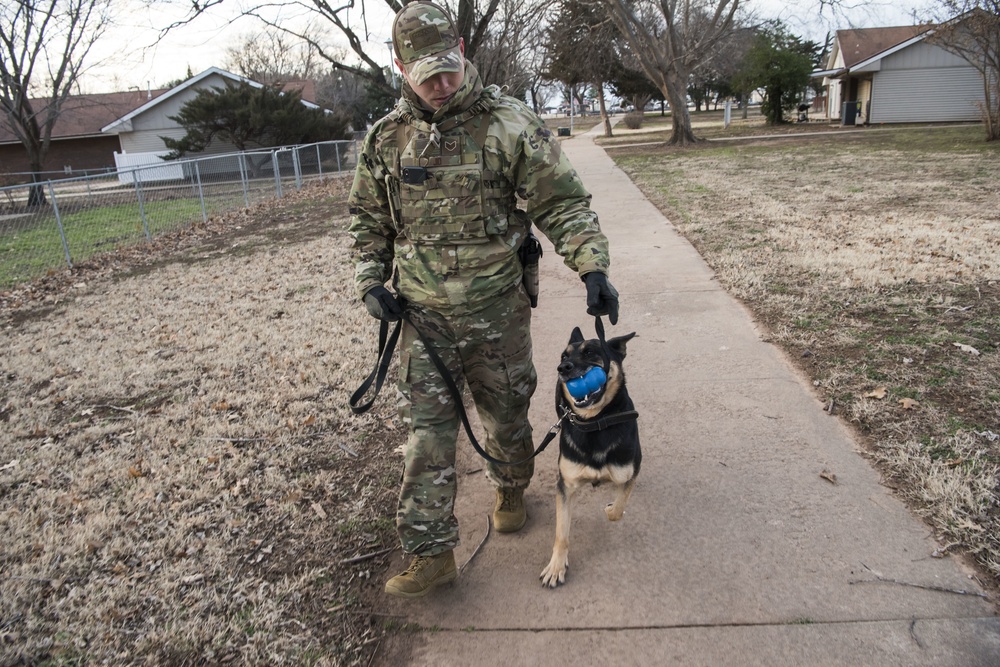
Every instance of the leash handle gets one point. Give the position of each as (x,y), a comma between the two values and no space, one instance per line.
(386,346)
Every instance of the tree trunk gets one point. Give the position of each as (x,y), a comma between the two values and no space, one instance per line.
(36,191)
(991,109)
(675,91)
(604,109)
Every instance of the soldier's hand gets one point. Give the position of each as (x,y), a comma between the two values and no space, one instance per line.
(382,305)
(602,297)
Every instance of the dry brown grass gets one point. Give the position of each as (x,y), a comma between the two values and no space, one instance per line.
(180,478)
(872,260)
(179,474)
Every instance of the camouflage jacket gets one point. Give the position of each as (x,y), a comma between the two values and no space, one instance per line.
(462,276)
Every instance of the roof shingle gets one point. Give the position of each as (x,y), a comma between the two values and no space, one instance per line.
(860,44)
(85,115)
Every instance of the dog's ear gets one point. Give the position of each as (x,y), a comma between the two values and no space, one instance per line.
(617,344)
(576,336)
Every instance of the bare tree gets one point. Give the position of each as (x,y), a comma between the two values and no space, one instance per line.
(508,53)
(670,39)
(473,18)
(45,48)
(271,55)
(583,48)
(974,34)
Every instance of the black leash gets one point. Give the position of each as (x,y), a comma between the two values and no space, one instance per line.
(386,346)
(457,397)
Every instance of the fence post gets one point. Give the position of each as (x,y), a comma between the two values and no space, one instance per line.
(243,179)
(336,149)
(277,173)
(201,194)
(319,161)
(142,204)
(297,168)
(62,232)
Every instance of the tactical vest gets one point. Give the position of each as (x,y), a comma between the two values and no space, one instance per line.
(442,191)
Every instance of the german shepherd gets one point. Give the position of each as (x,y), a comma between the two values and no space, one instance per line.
(599,441)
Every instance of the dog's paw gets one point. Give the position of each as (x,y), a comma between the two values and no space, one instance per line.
(555,572)
(614,514)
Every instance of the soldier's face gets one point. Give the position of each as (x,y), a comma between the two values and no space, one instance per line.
(438,89)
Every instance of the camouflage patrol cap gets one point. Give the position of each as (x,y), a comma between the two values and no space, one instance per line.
(426,40)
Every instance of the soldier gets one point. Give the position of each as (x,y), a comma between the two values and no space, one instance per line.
(435,200)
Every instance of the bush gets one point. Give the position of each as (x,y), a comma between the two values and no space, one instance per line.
(633,120)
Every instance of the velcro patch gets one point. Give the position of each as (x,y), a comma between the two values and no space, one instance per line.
(424,37)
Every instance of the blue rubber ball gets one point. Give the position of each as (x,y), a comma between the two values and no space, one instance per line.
(590,382)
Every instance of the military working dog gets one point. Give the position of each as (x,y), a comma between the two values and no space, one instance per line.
(599,441)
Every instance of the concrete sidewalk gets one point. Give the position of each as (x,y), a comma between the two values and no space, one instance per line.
(734,550)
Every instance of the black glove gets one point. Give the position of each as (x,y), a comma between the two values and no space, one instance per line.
(382,305)
(602,297)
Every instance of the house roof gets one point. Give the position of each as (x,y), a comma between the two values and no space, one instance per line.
(123,122)
(101,114)
(858,48)
(85,115)
(305,87)
(861,44)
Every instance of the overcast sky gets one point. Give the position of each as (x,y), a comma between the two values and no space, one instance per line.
(132,59)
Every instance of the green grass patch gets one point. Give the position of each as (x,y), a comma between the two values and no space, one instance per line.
(35,246)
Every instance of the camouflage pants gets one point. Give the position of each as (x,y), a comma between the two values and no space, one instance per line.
(490,351)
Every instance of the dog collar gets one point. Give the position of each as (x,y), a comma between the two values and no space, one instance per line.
(602,423)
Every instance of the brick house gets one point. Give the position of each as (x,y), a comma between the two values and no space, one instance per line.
(77,141)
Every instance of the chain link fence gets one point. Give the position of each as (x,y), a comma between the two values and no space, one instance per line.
(50,225)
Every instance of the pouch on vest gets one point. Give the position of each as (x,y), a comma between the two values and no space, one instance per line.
(446,196)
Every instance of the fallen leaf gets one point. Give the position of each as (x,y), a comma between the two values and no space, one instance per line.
(310,420)
(941,552)
(967,348)
(220,406)
(319,510)
(878,392)
(829,476)
(908,403)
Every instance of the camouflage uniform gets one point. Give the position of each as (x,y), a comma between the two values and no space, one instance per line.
(453,240)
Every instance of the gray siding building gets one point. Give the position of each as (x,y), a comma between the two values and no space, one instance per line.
(895,75)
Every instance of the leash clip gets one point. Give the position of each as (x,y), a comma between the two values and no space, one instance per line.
(558,425)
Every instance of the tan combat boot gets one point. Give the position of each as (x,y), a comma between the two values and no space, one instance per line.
(424,573)
(508,513)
